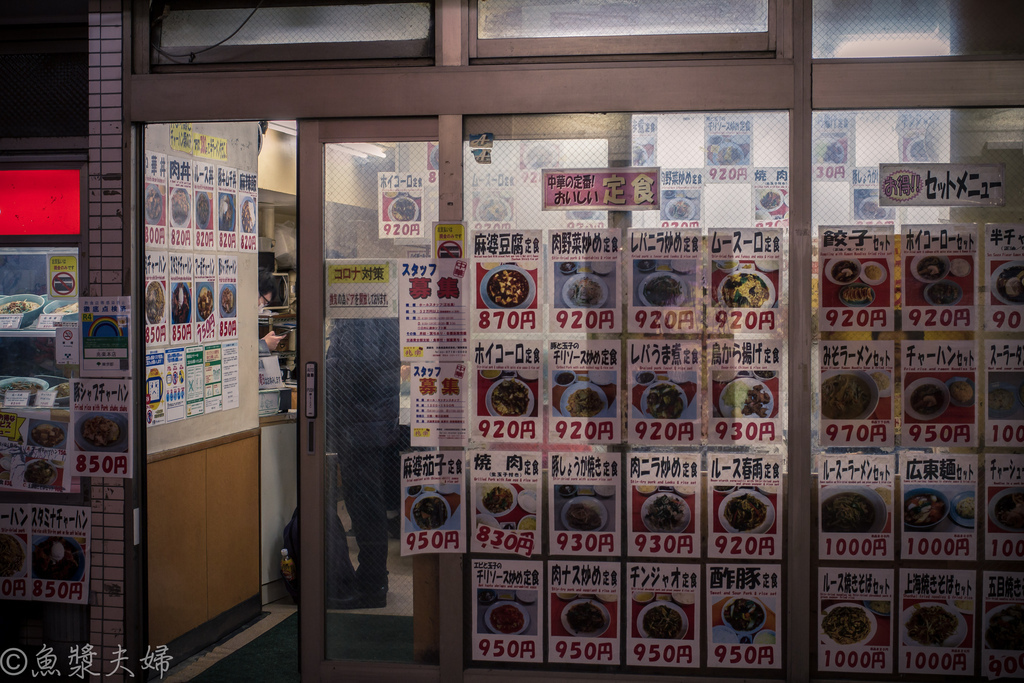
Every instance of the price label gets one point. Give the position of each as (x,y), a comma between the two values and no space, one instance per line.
(46,399)
(17,399)
(10,322)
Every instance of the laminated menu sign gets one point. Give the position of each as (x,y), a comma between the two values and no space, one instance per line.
(174,384)
(492,201)
(507,392)
(663,623)
(583,613)
(584,389)
(855,619)
(664,392)
(939,493)
(585,281)
(936,621)
(771,197)
(583,503)
(666,277)
(1004,506)
(856,393)
(181,268)
(155,208)
(1002,640)
(433,516)
(602,189)
(60,552)
(33,451)
(855,494)
(744,494)
(204,185)
(867,208)
(438,393)
(1004,277)
(940,277)
(156,401)
(745,280)
(832,146)
(644,135)
(663,505)
(400,202)
(743,618)
(1005,404)
(155,270)
(226,303)
(101,422)
(508,610)
(745,390)
(247,217)
(205,273)
(856,275)
(433,309)
(179,187)
(506,512)
(506,277)
(939,394)
(227,216)
(727,149)
(681,195)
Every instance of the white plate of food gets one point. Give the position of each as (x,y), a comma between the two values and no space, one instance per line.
(1006,509)
(527,500)
(507,618)
(585,290)
(664,289)
(583,400)
(13,556)
(746,511)
(848,395)
(663,401)
(924,508)
(745,616)
(496,498)
(226,301)
(929,268)
(847,623)
(849,509)
(746,289)
(679,209)
(665,513)
(1007,284)
(873,273)
(156,307)
(662,620)
(509,397)
(932,624)
(584,513)
(843,270)
(430,511)
(739,394)
(507,286)
(926,398)
(181,207)
(585,618)
(99,431)
(962,509)
(1002,628)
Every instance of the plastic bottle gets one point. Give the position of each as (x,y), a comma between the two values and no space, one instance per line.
(287,565)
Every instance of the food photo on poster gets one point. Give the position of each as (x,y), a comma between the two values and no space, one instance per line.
(505,403)
(855,393)
(939,393)
(856,278)
(584,276)
(1002,610)
(746,384)
(583,503)
(663,619)
(433,496)
(1003,277)
(583,612)
(664,392)
(584,380)
(855,506)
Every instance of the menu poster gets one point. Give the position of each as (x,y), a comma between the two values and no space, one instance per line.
(663,505)
(156,402)
(856,275)
(727,147)
(229,372)
(205,326)
(583,503)
(14,551)
(939,494)
(247,217)
(644,133)
(583,614)
(666,281)
(939,395)
(743,617)
(507,610)
(179,187)
(856,393)
(433,309)
(508,396)
(155,273)
(771,197)
(438,393)
(664,392)
(918,135)
(155,203)
(584,389)
(33,451)
(663,628)
(506,271)
(855,619)
(681,193)
(1005,404)
(400,201)
(432,510)
(744,495)
(174,384)
(61,539)
(745,390)
(855,519)
(867,209)
(204,185)
(213,379)
(227,215)
(506,515)
(832,135)
(1004,506)
(936,621)
(1004,253)
(745,282)
(226,303)
(101,412)
(181,268)
(195,381)
(493,208)
(1002,644)
(585,281)
(940,277)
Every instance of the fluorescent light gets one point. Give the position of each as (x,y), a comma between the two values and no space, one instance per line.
(286,127)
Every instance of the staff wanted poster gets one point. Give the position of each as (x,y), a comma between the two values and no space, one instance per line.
(438,392)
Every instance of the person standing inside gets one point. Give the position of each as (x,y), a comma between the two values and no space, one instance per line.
(267,287)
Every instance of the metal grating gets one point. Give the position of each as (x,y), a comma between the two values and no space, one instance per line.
(44,95)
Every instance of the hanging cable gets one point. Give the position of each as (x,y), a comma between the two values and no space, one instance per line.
(192,55)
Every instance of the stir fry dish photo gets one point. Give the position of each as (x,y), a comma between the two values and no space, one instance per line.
(506,618)
(1008,510)
(664,290)
(745,290)
(180,206)
(154,303)
(665,401)
(12,556)
(745,512)
(846,624)
(664,512)
(100,431)
(204,302)
(585,402)
(40,472)
(497,499)
(585,292)
(931,625)
(430,512)
(845,397)
(510,398)
(847,512)
(744,615)
(1005,629)
(662,622)
(583,514)
(586,618)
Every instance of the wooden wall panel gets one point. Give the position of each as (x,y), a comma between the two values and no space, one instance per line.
(233,529)
(176,544)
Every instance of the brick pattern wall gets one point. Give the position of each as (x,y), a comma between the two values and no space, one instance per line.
(108,258)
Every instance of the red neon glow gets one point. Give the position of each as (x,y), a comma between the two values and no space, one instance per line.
(40,202)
